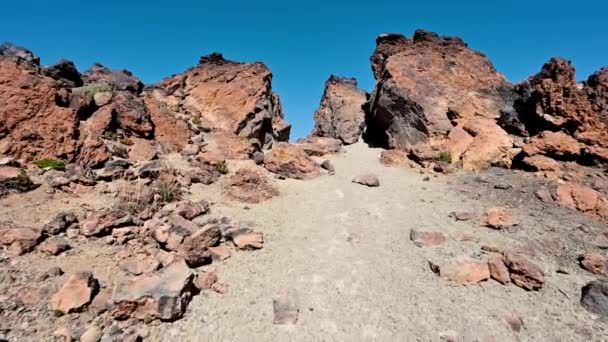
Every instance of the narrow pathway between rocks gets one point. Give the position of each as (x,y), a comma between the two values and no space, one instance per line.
(345,249)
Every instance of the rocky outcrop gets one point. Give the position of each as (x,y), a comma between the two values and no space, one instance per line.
(564,118)
(227,96)
(596,88)
(56,112)
(424,83)
(340,114)
(32,124)
(291,161)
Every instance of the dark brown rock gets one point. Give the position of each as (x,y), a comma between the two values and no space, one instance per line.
(594,297)
(524,273)
(60,223)
(54,246)
(340,114)
(498,269)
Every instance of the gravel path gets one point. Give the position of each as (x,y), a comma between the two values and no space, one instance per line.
(345,249)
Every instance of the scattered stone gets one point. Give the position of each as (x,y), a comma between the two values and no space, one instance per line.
(92,334)
(221,252)
(463,270)
(122,235)
(102,222)
(498,218)
(524,273)
(368,179)
(140,264)
(498,269)
(594,297)
(191,210)
(286,306)
(250,186)
(515,321)
(78,291)
(328,166)
(544,196)
(190,150)
(60,223)
(595,263)
(245,238)
(54,246)
(206,278)
(18,239)
(319,146)
(426,238)
(151,169)
(291,161)
(395,158)
(102,302)
(194,248)
(583,199)
(258,157)
(462,215)
(164,296)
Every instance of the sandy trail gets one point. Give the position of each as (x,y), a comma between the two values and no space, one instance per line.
(345,248)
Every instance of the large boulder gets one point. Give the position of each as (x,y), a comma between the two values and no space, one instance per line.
(163,296)
(77,292)
(9,50)
(18,239)
(118,80)
(228,96)
(340,114)
(249,186)
(291,161)
(32,124)
(426,81)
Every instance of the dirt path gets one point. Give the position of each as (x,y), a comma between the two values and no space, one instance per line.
(345,248)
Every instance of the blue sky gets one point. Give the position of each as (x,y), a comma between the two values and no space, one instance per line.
(302,42)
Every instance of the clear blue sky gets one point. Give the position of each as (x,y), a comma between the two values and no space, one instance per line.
(301,42)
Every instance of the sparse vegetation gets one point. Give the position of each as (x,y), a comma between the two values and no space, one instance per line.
(196,120)
(110,136)
(23,180)
(50,164)
(126,141)
(222,167)
(137,196)
(92,89)
(445,156)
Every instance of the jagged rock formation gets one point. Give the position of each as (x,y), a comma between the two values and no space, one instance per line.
(56,112)
(424,83)
(228,96)
(564,119)
(340,114)
(596,88)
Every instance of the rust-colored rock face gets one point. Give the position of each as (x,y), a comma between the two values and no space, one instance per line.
(596,88)
(229,96)
(32,124)
(341,114)
(424,82)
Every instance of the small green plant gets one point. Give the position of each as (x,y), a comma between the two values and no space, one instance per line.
(196,120)
(50,164)
(222,167)
(57,313)
(445,157)
(92,89)
(126,141)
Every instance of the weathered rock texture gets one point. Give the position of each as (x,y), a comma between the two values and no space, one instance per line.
(341,114)
(229,96)
(424,82)
(58,113)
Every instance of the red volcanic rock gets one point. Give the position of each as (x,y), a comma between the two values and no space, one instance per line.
(228,96)
(250,186)
(18,239)
(78,291)
(425,82)
(583,199)
(341,114)
(319,146)
(290,161)
(524,273)
(463,270)
(169,130)
(596,88)
(32,125)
